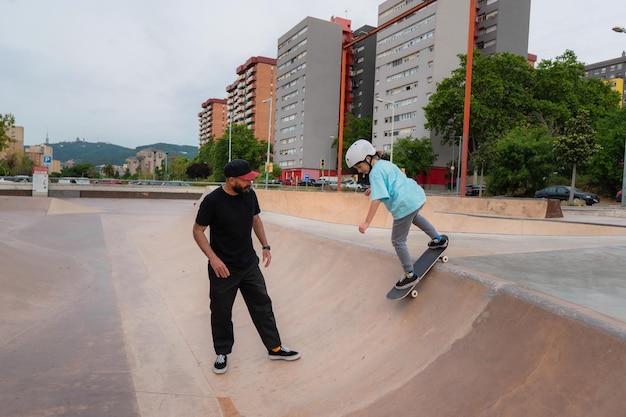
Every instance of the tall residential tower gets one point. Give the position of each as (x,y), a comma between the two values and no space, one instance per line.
(307,96)
(420,50)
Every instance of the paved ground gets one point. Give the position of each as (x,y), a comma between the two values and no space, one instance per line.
(104,311)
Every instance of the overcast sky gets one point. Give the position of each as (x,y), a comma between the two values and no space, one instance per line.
(135,72)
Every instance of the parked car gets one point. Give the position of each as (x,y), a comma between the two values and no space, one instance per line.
(618,196)
(146,182)
(310,183)
(353,185)
(474,190)
(561,192)
(107,181)
(177,183)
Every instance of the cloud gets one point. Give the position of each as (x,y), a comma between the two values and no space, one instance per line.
(136,72)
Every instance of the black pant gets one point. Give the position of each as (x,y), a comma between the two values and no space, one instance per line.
(223,291)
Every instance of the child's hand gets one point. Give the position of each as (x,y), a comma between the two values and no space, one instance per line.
(367,192)
(363,227)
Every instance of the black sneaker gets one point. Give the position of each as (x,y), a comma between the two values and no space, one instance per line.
(284,353)
(221,364)
(407,281)
(442,242)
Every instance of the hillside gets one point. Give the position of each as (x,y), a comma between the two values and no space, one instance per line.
(101,153)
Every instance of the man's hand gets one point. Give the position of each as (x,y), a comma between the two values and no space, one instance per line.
(267,257)
(220,268)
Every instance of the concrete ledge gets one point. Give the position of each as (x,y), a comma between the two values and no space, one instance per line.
(350,208)
(104,191)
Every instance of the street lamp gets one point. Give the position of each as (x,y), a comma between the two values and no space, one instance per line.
(269,137)
(623,30)
(230,141)
(165,176)
(393,116)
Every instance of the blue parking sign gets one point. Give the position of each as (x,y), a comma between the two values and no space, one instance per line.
(307,177)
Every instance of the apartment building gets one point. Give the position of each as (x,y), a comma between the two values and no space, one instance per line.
(362,73)
(42,156)
(249,96)
(256,80)
(146,161)
(420,50)
(212,119)
(16,143)
(613,72)
(307,96)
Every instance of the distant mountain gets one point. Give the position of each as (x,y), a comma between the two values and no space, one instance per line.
(101,153)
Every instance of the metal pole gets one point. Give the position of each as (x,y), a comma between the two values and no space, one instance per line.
(165,176)
(269,137)
(624,179)
(619,29)
(468,93)
(230,129)
(458,171)
(393,116)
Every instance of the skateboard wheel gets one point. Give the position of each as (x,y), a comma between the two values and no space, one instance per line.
(444,259)
(414,293)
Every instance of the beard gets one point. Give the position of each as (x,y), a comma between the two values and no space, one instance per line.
(241,189)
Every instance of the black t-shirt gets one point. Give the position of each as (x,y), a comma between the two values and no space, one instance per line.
(229,219)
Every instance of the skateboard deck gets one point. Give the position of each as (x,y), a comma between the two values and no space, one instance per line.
(421,267)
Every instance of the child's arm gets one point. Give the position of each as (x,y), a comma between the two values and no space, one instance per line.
(370,215)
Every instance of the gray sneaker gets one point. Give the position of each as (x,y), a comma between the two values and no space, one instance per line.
(221,364)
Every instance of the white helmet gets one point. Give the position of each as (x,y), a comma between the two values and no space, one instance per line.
(358,151)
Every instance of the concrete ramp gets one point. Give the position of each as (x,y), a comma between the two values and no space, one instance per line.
(104,311)
(467,345)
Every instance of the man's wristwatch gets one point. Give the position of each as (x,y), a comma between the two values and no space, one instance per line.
(266,247)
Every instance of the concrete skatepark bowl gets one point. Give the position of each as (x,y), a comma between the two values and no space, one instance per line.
(105,312)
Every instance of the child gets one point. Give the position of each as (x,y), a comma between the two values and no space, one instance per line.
(402,196)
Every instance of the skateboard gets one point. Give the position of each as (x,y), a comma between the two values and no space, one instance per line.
(421,267)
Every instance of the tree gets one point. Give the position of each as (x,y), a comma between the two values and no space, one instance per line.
(577,145)
(199,170)
(508,94)
(6,121)
(80,170)
(606,167)
(20,164)
(522,162)
(500,102)
(560,90)
(243,146)
(109,171)
(353,130)
(414,155)
(177,170)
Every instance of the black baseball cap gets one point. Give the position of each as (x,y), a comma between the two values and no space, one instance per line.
(240,168)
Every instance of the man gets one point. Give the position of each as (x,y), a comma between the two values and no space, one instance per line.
(231,212)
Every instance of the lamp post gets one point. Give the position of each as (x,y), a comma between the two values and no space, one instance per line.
(393,116)
(165,176)
(269,136)
(623,30)
(230,131)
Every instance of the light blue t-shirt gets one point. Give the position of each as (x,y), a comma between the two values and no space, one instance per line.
(401,195)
